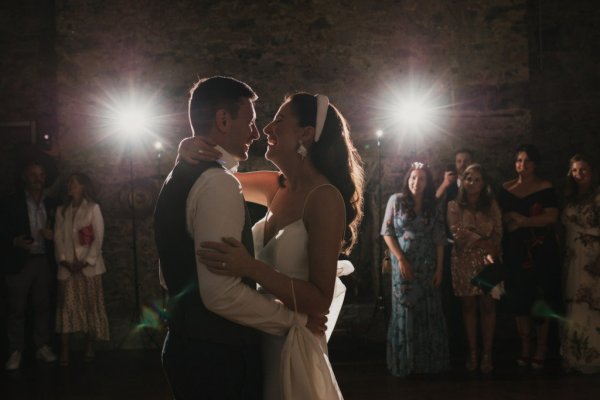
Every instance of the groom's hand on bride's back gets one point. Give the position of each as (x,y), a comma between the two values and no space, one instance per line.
(317,324)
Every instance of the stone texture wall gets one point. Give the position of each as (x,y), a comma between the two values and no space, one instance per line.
(471,56)
(565,82)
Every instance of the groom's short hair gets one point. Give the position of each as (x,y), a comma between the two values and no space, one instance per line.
(211,94)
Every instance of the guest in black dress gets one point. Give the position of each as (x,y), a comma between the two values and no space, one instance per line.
(530,211)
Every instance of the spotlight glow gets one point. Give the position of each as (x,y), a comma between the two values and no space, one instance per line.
(130,114)
(414,113)
(413,110)
(132,120)
(379,133)
(158,145)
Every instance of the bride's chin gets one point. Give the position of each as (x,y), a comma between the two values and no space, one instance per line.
(269,154)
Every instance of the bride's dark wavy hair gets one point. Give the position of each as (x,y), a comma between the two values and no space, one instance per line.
(335,156)
(407,200)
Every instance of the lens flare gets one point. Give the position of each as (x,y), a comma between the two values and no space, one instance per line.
(413,110)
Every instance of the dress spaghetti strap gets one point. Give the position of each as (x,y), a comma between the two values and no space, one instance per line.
(317,187)
(311,192)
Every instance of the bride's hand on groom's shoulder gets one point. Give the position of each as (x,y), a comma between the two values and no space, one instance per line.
(197,148)
(317,324)
(228,257)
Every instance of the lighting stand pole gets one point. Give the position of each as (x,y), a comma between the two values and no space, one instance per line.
(380,303)
(136,313)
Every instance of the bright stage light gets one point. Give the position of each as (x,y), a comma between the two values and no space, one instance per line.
(130,115)
(158,145)
(379,133)
(414,110)
(132,120)
(413,113)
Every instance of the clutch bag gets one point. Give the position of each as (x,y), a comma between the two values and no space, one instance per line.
(86,235)
(490,276)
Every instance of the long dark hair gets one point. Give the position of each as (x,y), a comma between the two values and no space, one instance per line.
(407,200)
(88,189)
(485,196)
(532,153)
(571,188)
(335,156)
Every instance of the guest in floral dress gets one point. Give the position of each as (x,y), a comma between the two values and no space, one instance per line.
(581,341)
(475,223)
(413,230)
(78,239)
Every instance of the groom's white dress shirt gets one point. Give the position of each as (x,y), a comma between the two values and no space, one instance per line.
(215,209)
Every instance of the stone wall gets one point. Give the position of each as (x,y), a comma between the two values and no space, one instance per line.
(565,82)
(471,56)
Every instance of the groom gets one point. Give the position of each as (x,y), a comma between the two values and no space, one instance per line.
(212,348)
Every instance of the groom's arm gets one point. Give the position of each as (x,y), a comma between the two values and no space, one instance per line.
(215,209)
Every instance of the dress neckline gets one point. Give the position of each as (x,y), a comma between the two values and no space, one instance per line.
(527,195)
(294,221)
(265,244)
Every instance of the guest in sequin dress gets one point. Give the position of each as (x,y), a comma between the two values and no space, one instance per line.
(475,223)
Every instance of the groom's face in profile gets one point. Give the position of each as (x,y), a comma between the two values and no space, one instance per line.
(243,130)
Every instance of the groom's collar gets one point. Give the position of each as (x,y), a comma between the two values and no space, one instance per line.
(227,160)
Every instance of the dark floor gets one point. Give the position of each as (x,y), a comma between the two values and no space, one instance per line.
(358,365)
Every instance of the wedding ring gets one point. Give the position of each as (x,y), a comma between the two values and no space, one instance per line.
(223,264)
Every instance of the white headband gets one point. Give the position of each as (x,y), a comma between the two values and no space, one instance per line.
(322,107)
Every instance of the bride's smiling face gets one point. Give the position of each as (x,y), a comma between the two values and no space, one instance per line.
(282,134)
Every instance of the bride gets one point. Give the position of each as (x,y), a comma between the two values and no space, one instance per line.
(314,209)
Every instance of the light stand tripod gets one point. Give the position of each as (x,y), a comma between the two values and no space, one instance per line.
(136,313)
(380,304)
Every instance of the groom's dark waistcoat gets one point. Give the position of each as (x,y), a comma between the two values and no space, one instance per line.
(187,314)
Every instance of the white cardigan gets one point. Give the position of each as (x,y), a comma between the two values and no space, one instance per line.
(66,239)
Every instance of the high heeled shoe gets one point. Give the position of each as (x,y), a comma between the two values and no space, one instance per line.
(486,366)
(537,363)
(471,364)
(63,361)
(523,361)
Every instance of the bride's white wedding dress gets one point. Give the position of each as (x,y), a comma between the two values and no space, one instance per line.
(288,252)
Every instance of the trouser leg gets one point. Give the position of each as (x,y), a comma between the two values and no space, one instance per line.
(41,289)
(17,288)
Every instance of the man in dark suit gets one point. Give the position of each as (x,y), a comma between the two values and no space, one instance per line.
(28,263)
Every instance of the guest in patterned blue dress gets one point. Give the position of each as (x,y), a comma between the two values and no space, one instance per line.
(413,230)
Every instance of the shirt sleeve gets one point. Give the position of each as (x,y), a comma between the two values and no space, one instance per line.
(215,209)
(95,248)
(387,225)
(439,233)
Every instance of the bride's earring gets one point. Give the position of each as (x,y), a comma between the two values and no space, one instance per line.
(301,150)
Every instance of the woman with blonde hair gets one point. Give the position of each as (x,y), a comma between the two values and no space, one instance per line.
(475,223)
(581,217)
